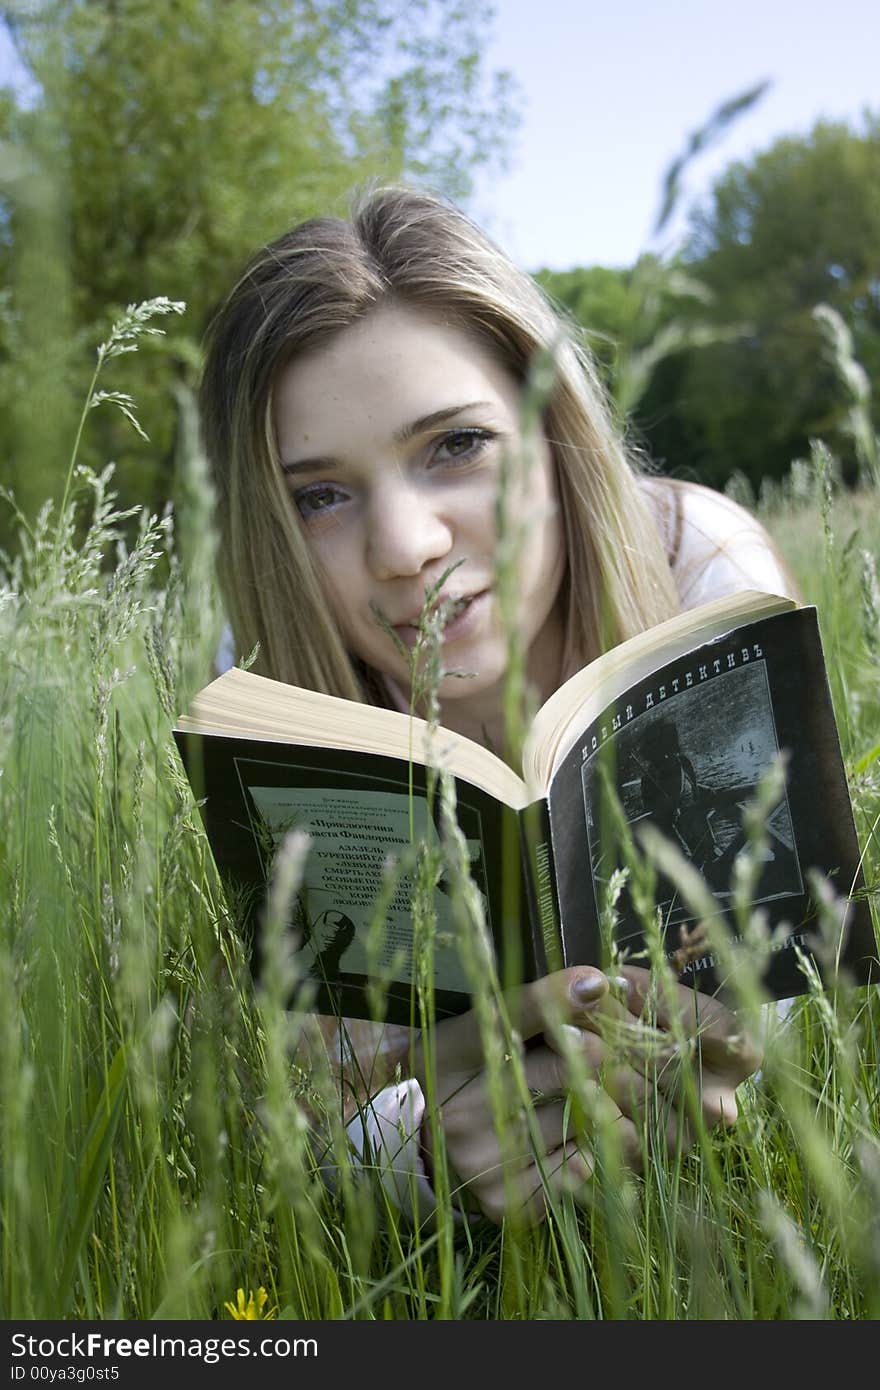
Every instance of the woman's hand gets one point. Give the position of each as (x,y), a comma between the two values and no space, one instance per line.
(501,1169)
(586,1041)
(727,1052)
(641,1064)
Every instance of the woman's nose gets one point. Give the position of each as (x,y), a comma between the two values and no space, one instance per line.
(404,531)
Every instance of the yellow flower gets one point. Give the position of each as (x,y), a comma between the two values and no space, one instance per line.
(251,1309)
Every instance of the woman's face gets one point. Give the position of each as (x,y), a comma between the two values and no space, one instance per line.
(391,438)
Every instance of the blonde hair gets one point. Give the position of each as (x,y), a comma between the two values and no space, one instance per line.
(417,250)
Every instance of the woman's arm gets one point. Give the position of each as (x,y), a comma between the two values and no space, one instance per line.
(361,1057)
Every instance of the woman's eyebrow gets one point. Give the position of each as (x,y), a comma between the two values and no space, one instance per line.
(422,425)
(437,417)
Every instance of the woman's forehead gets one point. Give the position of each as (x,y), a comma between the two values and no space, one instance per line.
(388,370)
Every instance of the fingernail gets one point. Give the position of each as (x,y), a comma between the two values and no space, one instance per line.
(586,989)
(619,984)
(575,1035)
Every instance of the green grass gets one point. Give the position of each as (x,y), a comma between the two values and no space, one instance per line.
(155,1150)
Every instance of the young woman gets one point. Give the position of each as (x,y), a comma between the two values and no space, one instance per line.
(362,383)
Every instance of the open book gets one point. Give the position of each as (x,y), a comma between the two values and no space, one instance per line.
(674,728)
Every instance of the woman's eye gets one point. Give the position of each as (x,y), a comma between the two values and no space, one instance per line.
(461,446)
(319,497)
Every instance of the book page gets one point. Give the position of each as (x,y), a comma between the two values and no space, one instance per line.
(354,834)
(244,705)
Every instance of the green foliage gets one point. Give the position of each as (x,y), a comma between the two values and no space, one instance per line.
(606,305)
(170,138)
(635,320)
(796,227)
(762,331)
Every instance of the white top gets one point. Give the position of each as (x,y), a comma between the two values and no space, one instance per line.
(719,548)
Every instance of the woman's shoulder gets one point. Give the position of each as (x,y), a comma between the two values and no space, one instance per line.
(715,546)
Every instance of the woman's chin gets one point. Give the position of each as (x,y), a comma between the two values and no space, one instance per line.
(475,682)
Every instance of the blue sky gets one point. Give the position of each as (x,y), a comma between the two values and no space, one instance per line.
(612,91)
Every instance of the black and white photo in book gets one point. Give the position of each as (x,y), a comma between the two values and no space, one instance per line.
(690,765)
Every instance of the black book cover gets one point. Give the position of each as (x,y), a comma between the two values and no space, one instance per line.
(684,750)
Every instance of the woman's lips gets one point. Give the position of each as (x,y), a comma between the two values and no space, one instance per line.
(463,618)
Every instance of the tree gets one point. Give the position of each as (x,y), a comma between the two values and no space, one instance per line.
(172,136)
(796,227)
(633,320)
(605,305)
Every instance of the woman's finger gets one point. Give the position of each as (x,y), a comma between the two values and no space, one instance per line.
(682,1011)
(716,1094)
(651,1108)
(550,1124)
(566,996)
(525,1194)
(644,1087)
(567,1108)
(631,1082)
(570,1170)
(567,1171)
(505,1170)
